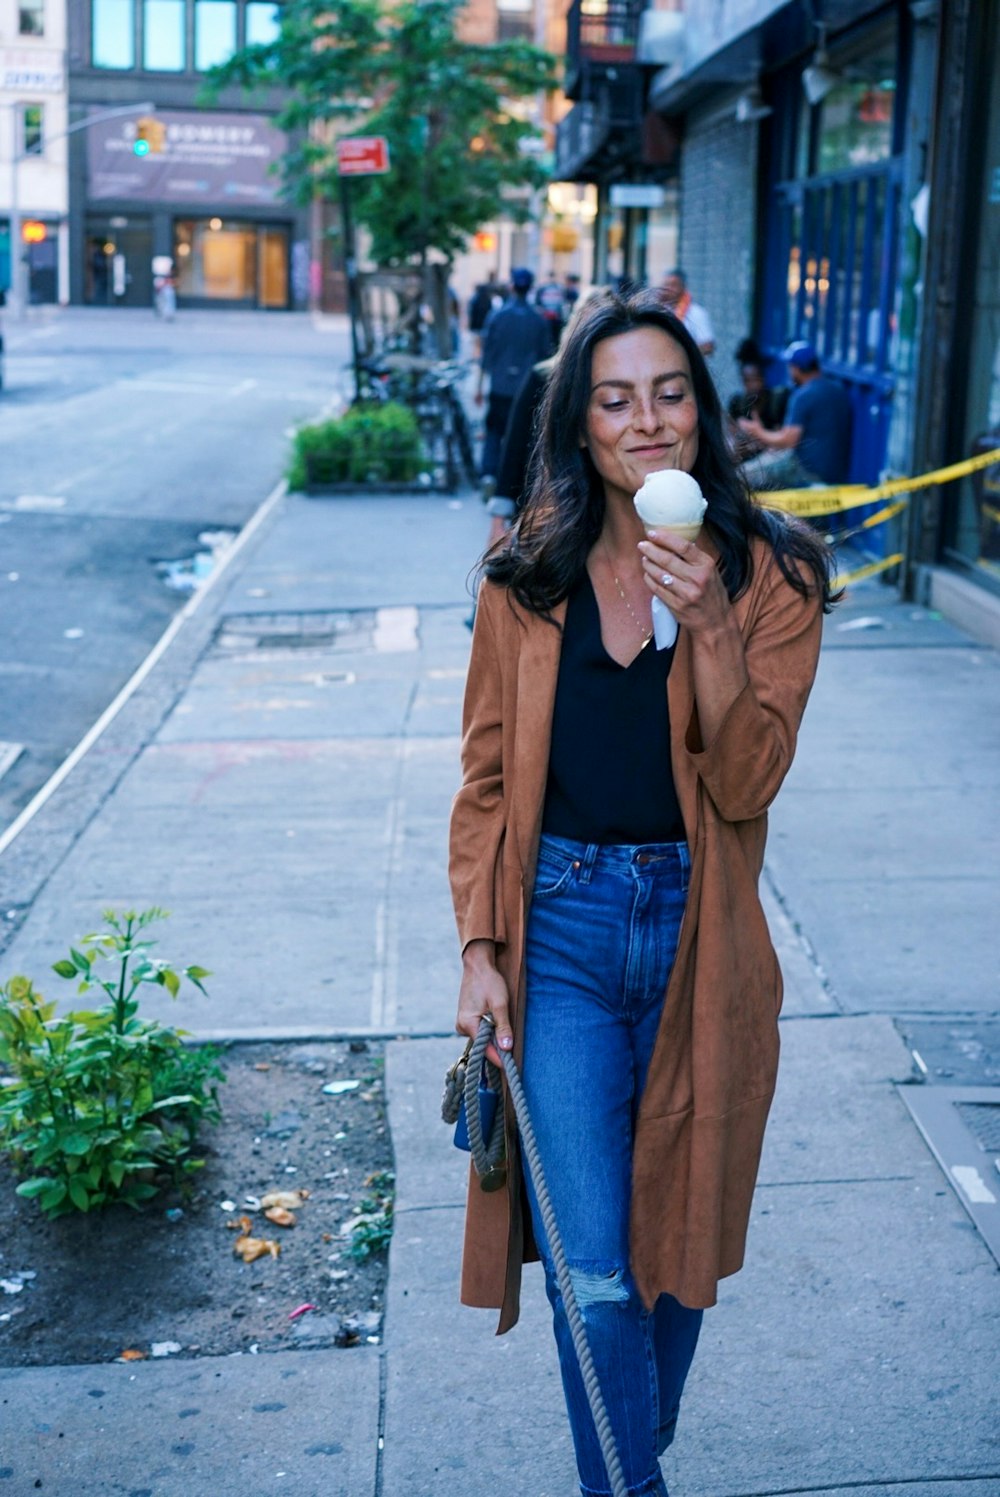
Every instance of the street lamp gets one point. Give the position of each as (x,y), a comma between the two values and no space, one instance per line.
(15,300)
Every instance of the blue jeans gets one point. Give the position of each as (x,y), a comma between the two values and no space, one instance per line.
(602,935)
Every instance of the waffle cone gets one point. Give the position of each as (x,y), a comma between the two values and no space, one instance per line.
(686,532)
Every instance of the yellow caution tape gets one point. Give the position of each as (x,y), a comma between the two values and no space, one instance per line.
(991,512)
(837,498)
(872,569)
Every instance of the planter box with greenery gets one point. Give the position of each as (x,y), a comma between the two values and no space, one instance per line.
(369,445)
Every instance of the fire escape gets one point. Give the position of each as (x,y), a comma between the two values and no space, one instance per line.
(607,84)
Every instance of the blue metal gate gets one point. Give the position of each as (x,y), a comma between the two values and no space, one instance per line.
(831,280)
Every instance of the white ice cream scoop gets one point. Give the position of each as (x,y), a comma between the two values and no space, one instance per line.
(671,500)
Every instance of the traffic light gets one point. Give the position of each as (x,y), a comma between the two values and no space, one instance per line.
(150,136)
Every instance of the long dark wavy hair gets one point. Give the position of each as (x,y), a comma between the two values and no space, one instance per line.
(544,554)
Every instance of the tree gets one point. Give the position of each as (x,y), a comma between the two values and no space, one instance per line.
(459,150)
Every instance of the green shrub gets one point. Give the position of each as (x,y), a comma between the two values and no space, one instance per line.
(102,1106)
(370,443)
(371,1231)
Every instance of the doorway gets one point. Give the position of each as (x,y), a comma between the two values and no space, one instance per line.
(118,256)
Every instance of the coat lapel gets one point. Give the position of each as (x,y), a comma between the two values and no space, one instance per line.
(680,700)
(537,673)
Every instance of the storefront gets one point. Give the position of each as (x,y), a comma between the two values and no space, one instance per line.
(209,201)
(971,529)
(833,207)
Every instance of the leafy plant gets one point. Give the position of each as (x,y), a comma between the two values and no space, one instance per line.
(372,1230)
(461,148)
(101,1105)
(368,444)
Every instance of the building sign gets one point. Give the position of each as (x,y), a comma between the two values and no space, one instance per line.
(221,159)
(24,70)
(637,195)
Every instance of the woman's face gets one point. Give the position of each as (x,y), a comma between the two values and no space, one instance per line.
(642,415)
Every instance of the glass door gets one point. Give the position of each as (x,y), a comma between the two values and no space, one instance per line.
(272,267)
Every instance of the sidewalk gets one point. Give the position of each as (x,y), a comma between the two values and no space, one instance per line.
(290,809)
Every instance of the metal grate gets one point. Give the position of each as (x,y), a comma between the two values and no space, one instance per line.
(982,1119)
(296,631)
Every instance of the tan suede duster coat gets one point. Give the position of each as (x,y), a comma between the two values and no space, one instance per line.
(712,1076)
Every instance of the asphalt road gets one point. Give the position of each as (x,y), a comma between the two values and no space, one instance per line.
(124,443)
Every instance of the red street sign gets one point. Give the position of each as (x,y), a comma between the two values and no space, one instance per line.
(362,155)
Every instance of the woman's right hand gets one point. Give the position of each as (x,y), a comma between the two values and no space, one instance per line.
(483,991)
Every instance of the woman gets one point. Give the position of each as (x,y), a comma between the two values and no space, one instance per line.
(606,844)
(767,403)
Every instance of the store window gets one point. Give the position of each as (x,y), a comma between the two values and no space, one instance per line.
(112,34)
(839,215)
(163,49)
(852,125)
(214,33)
(227,260)
(263,22)
(31,18)
(32,129)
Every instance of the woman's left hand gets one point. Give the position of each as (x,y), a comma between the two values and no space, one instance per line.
(687,580)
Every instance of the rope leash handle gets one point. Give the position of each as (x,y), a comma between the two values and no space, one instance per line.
(578,1330)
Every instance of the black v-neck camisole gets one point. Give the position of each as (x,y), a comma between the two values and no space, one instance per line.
(610,778)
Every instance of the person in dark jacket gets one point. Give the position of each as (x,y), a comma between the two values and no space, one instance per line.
(514,338)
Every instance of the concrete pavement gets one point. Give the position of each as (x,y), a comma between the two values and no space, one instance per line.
(286,796)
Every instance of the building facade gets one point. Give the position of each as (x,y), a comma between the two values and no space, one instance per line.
(33,148)
(207,197)
(835,178)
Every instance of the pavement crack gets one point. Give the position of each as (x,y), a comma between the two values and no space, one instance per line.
(383,1381)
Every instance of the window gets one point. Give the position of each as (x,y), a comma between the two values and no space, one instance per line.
(263,22)
(112,34)
(214,32)
(31,18)
(163,36)
(32,139)
(515,20)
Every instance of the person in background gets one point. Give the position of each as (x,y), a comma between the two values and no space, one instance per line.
(571,291)
(550,300)
(756,399)
(514,338)
(606,845)
(677,297)
(484,300)
(813,444)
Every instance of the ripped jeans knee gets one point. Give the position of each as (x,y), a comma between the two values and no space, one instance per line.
(598,1285)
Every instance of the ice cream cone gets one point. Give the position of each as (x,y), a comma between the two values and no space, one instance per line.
(671,500)
(686,532)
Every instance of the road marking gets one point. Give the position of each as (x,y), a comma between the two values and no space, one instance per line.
(132,685)
(35,502)
(184,387)
(396,630)
(9,755)
(972,1185)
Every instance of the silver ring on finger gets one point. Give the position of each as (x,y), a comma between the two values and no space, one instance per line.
(666,580)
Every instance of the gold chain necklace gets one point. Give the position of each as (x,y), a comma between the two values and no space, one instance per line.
(647,633)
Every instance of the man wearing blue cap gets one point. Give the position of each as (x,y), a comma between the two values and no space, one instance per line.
(514,339)
(814,444)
